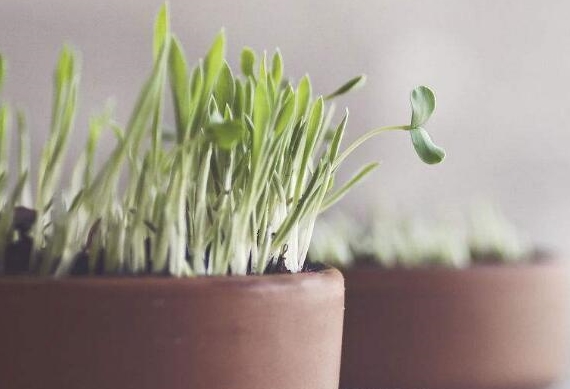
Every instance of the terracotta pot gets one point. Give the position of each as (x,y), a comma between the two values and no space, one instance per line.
(255,332)
(483,327)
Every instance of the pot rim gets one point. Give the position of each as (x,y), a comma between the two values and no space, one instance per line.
(195,282)
(542,263)
(447,282)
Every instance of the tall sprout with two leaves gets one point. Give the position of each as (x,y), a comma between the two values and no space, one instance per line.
(234,189)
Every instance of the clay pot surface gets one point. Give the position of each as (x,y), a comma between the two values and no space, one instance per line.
(488,326)
(252,332)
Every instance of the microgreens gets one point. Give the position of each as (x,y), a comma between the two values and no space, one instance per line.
(483,235)
(236,188)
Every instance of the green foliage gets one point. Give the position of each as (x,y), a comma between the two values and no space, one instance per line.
(350,85)
(247,62)
(226,134)
(237,186)
(161,30)
(481,235)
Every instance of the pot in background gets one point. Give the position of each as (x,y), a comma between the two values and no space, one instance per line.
(488,326)
(252,332)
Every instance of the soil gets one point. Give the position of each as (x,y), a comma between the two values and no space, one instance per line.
(18,257)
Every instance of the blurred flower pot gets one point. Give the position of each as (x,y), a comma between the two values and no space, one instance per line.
(487,326)
(252,332)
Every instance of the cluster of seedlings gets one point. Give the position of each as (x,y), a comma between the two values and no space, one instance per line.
(235,189)
(483,235)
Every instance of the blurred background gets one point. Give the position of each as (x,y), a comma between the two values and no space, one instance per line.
(499,69)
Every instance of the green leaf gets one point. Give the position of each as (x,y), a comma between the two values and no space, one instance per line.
(2,71)
(148,99)
(226,134)
(249,92)
(95,128)
(337,138)
(65,68)
(247,61)
(277,67)
(63,112)
(196,82)
(180,86)
(261,114)
(161,28)
(18,189)
(315,121)
(214,61)
(313,126)
(339,194)
(356,82)
(285,115)
(303,96)
(225,87)
(263,68)
(425,148)
(239,97)
(423,105)
(24,156)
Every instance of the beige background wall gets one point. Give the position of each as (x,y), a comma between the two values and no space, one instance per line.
(500,70)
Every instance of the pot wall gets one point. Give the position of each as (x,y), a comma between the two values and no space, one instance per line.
(483,327)
(278,331)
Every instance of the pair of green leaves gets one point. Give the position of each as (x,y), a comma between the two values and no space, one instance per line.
(423,105)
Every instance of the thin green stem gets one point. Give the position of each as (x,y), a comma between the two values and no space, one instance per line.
(363,139)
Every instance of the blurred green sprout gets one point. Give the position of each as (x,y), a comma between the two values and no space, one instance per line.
(483,235)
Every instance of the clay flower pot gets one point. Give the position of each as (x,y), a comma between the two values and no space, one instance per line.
(487,326)
(252,332)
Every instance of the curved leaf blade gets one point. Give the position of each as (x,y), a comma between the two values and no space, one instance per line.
(261,116)
(180,86)
(285,115)
(214,61)
(339,194)
(225,87)
(428,151)
(304,92)
(161,28)
(423,103)
(351,84)
(247,61)
(277,67)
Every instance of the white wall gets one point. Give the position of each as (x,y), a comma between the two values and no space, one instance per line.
(500,70)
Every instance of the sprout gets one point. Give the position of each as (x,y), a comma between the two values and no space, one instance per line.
(492,236)
(236,188)
(484,236)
